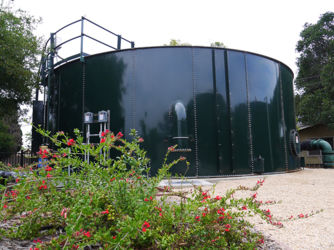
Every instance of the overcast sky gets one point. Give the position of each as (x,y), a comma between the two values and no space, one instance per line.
(266,27)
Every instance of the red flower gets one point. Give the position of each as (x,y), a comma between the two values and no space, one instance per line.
(112,137)
(146,199)
(28,197)
(87,234)
(140,139)
(48,168)
(112,179)
(103,140)
(227,227)
(218,197)
(64,212)
(48,175)
(145,226)
(171,148)
(244,208)
(138,177)
(301,216)
(151,198)
(160,214)
(105,212)
(254,195)
(221,211)
(37,241)
(182,158)
(197,218)
(158,208)
(64,154)
(43,186)
(70,142)
(203,214)
(104,133)
(114,237)
(17,180)
(5,206)
(261,241)
(119,135)
(14,193)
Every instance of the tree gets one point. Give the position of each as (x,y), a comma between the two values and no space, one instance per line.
(218,45)
(315,79)
(19,51)
(174,42)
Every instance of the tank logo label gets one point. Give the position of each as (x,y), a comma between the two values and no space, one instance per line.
(182,150)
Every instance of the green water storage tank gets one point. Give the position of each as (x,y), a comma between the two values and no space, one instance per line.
(230,112)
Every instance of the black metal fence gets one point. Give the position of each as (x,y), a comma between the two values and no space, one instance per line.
(21,158)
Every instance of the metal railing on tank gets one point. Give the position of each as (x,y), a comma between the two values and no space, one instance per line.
(51,49)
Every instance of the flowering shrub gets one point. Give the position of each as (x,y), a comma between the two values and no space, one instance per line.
(111,202)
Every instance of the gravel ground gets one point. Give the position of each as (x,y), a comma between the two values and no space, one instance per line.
(302,192)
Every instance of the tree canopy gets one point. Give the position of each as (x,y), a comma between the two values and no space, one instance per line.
(175,42)
(218,45)
(315,79)
(19,51)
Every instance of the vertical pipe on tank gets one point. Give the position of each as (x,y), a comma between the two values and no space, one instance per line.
(228,100)
(283,119)
(249,117)
(218,131)
(83,94)
(82,60)
(195,111)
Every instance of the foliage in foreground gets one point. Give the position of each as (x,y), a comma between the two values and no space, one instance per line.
(112,203)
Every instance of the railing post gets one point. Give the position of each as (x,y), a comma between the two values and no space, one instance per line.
(132,44)
(50,72)
(52,50)
(119,40)
(21,159)
(82,36)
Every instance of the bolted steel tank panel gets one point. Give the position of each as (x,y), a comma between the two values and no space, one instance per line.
(230,112)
